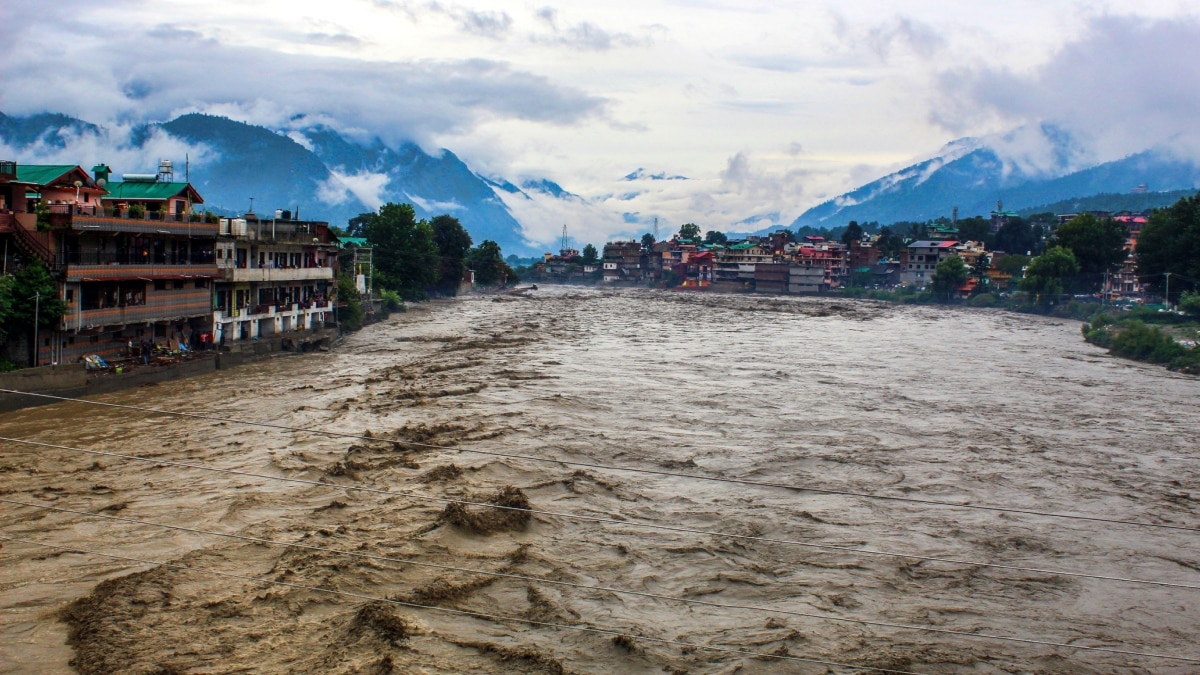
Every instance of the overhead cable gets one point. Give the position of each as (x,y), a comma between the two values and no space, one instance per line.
(655,596)
(460,612)
(597,519)
(608,467)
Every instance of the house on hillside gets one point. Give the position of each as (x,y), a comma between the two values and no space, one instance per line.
(919,261)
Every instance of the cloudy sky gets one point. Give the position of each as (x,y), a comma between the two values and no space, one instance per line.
(767,107)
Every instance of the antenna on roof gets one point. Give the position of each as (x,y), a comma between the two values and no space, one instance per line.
(564,238)
(655,228)
(187,168)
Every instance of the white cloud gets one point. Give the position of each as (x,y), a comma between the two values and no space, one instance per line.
(368,187)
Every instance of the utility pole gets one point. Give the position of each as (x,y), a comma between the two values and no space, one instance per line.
(37,305)
(1167,291)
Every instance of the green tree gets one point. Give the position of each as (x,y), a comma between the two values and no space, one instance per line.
(949,275)
(1015,236)
(489,265)
(406,256)
(32,293)
(716,237)
(357,225)
(1097,245)
(689,231)
(1189,303)
(1013,265)
(453,243)
(854,232)
(976,228)
(591,256)
(980,269)
(349,311)
(1170,242)
(1043,278)
(890,244)
(647,241)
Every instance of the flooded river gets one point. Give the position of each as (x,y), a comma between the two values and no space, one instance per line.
(921,403)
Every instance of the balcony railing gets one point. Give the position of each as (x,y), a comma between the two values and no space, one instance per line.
(77,273)
(256,312)
(106,221)
(136,257)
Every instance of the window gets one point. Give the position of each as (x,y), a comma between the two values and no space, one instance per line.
(178,284)
(160,285)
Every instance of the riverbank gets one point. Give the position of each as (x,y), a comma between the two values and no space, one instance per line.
(76,380)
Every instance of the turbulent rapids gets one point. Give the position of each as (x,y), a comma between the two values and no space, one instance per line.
(537,538)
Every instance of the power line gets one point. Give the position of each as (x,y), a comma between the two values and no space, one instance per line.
(608,467)
(463,612)
(1043,643)
(655,596)
(601,520)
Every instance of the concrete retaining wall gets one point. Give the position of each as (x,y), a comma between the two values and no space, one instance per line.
(74,381)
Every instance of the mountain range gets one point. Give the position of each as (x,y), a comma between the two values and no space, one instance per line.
(312,170)
(977,176)
(323,174)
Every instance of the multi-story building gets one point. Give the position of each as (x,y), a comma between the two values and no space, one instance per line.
(830,258)
(623,261)
(918,262)
(736,263)
(277,276)
(127,271)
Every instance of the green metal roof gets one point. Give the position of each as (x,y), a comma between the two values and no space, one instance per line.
(360,242)
(147,191)
(43,174)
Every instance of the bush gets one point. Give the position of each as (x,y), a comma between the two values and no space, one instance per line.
(1189,303)
(984,300)
(137,211)
(392,302)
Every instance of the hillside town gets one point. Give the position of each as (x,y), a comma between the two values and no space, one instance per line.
(784,263)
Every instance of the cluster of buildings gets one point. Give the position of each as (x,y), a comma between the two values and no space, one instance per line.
(134,261)
(778,263)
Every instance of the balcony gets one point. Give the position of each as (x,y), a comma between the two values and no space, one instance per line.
(265,274)
(87,218)
(258,312)
(186,304)
(116,272)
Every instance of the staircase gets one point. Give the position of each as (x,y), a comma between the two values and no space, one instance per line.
(36,244)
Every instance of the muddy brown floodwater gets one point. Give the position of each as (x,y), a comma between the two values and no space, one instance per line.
(977,407)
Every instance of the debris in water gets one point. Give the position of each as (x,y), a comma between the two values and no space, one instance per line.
(382,620)
(514,515)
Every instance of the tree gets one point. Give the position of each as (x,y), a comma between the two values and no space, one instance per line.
(977,229)
(715,237)
(1015,236)
(591,256)
(33,294)
(949,275)
(350,313)
(1170,242)
(889,243)
(1189,303)
(689,231)
(980,269)
(854,232)
(1097,245)
(356,226)
(647,241)
(1013,265)
(453,243)
(489,266)
(1043,277)
(406,256)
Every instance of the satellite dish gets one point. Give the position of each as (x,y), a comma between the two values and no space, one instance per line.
(101,182)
